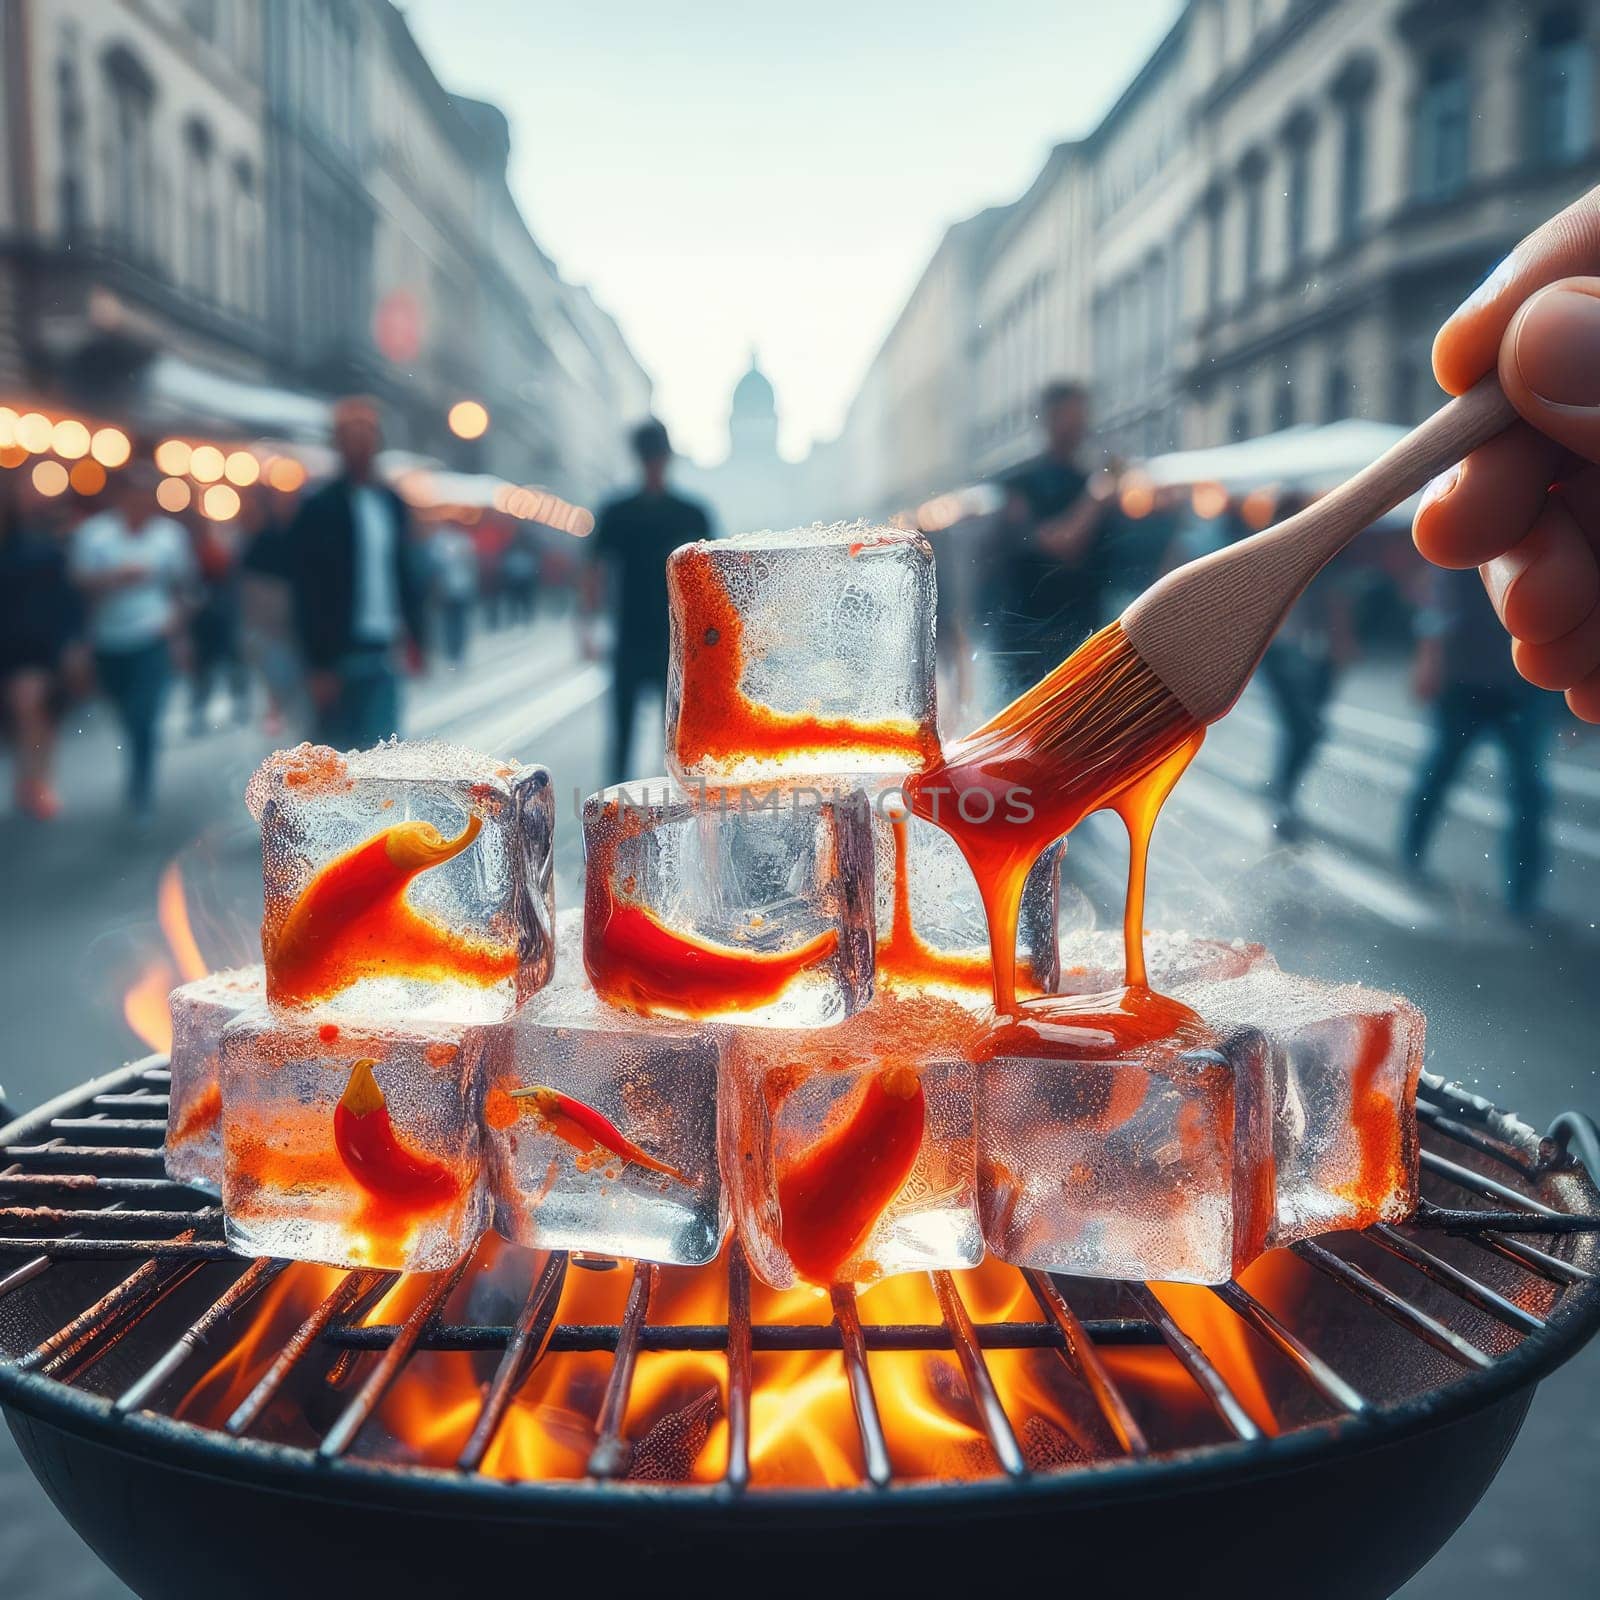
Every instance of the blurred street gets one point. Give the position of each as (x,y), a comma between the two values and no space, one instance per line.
(1511,1012)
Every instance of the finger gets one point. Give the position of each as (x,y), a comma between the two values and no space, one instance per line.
(1548,582)
(1583,699)
(1550,363)
(1480,509)
(1468,345)
(1563,662)
(1579,491)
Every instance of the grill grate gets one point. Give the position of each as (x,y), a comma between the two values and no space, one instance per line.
(85,1181)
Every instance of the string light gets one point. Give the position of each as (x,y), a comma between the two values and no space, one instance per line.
(468,419)
(220,503)
(241,468)
(49,478)
(172,456)
(286,475)
(34,433)
(87,476)
(205,463)
(69,439)
(110,447)
(172,494)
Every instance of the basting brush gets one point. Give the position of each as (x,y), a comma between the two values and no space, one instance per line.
(1180,655)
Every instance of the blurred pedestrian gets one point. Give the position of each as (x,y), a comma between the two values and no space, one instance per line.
(1044,580)
(454,559)
(1462,672)
(518,577)
(135,566)
(40,618)
(358,605)
(631,543)
(214,624)
(266,606)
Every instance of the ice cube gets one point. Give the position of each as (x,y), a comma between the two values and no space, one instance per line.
(410,881)
(643,1182)
(801,653)
(200,1011)
(848,1151)
(758,907)
(1092,960)
(931,927)
(1118,1137)
(1345,1063)
(353,1144)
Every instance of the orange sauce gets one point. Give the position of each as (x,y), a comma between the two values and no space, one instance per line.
(718,722)
(1380,1156)
(199,1116)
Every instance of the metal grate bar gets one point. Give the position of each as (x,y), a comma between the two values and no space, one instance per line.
(86,1183)
(1412,1318)
(1489,1188)
(611,1453)
(741,1382)
(980,1382)
(1531,1257)
(340,1301)
(239,1294)
(1454,1279)
(156,1127)
(863,1401)
(106,1218)
(1196,1363)
(1080,1354)
(1462,1133)
(184,1247)
(1312,1367)
(354,1417)
(1428,1215)
(81,1157)
(523,1350)
(138,1101)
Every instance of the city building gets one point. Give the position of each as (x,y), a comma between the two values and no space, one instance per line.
(1265,229)
(752,487)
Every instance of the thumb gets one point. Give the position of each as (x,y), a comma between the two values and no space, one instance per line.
(1550,363)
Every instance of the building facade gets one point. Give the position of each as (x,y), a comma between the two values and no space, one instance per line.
(220,214)
(1266,229)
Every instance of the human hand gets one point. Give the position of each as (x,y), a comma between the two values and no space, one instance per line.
(1525,508)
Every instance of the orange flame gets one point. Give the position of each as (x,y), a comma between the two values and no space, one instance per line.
(144,1005)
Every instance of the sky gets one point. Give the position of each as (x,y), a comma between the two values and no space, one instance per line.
(735,176)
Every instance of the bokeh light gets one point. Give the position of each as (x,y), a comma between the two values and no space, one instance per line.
(69,439)
(172,494)
(49,477)
(286,475)
(87,476)
(468,419)
(241,468)
(1257,508)
(12,455)
(205,463)
(220,503)
(8,428)
(34,432)
(110,447)
(172,456)
(1209,500)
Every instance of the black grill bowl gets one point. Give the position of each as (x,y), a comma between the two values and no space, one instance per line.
(1346,1508)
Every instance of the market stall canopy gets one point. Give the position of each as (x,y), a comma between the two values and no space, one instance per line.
(180,395)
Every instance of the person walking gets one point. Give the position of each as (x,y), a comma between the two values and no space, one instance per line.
(214,627)
(455,585)
(135,567)
(1472,690)
(266,606)
(40,617)
(358,603)
(632,540)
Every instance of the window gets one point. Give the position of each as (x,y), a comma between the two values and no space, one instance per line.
(69,102)
(130,152)
(1561,91)
(1283,407)
(1239,422)
(200,211)
(1214,254)
(1255,187)
(1352,169)
(1336,395)
(1444,113)
(1297,199)
(246,248)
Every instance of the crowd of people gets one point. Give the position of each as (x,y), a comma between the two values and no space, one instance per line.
(304,610)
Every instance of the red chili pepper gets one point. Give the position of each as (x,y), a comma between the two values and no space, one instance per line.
(373,1153)
(585,1129)
(832,1195)
(352,921)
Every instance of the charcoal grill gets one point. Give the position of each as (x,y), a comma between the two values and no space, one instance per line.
(1420,1351)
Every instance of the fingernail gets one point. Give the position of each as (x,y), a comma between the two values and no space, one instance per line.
(1438,488)
(1558,348)
(1491,287)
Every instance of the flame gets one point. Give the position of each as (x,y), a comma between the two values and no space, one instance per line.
(144,1005)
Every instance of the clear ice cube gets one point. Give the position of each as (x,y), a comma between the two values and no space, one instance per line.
(728,905)
(1102,1159)
(931,927)
(411,881)
(200,1011)
(1345,1062)
(848,1151)
(354,1145)
(800,654)
(1092,960)
(562,1181)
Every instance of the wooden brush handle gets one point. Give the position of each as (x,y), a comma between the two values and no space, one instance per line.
(1203,628)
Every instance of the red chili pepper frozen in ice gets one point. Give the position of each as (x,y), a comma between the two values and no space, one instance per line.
(353,921)
(373,1153)
(586,1129)
(831,1196)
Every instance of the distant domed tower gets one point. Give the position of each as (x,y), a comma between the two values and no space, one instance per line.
(753,417)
